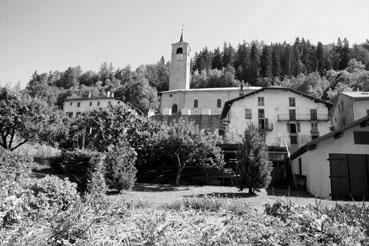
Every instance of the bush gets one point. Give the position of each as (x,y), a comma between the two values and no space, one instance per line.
(53,193)
(120,167)
(96,184)
(80,167)
(14,166)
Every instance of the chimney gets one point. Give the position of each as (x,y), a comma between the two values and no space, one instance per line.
(90,94)
(112,94)
(108,95)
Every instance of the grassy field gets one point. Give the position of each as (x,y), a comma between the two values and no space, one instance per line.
(157,195)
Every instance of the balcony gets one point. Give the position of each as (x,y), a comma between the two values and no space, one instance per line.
(303,117)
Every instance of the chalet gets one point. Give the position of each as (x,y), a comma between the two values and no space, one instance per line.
(286,117)
(336,165)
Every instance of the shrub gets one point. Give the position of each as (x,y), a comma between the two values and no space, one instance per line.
(53,193)
(14,166)
(254,168)
(120,167)
(96,184)
(79,166)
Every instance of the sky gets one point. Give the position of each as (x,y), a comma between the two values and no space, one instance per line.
(44,35)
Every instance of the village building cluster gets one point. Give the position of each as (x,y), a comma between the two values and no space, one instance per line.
(327,145)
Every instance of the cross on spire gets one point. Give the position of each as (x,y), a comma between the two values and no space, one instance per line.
(181,39)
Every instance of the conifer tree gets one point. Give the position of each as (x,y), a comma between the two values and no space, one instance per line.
(254,168)
(255,62)
(266,62)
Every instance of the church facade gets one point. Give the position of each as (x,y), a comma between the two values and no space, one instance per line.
(202,105)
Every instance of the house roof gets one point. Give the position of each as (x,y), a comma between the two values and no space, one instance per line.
(356,94)
(229,103)
(312,144)
(214,89)
(89,98)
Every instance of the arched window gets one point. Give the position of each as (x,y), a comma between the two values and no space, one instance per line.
(174,109)
(219,103)
(195,103)
(179,51)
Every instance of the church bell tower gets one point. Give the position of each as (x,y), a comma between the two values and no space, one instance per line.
(179,70)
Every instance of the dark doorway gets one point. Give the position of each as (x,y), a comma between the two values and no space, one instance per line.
(175,109)
(349,176)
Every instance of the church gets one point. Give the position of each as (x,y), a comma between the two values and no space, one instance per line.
(201,105)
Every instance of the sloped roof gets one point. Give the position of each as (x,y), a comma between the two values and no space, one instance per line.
(356,94)
(229,103)
(312,144)
(214,89)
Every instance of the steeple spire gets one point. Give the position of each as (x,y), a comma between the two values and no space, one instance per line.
(181,39)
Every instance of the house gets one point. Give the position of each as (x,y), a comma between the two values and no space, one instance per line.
(75,106)
(336,165)
(349,107)
(285,116)
(201,105)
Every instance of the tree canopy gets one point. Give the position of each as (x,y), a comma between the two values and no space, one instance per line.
(25,119)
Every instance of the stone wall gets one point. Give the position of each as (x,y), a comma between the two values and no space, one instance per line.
(209,122)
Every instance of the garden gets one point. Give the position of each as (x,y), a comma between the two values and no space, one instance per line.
(90,191)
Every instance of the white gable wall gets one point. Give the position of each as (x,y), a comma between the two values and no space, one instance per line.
(360,108)
(277,103)
(315,163)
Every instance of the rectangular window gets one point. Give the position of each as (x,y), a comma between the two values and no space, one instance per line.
(293,139)
(314,137)
(78,104)
(78,114)
(292,128)
(98,103)
(313,114)
(361,137)
(343,121)
(90,104)
(314,127)
(70,103)
(292,101)
(195,103)
(292,114)
(260,101)
(70,114)
(298,127)
(342,108)
(219,103)
(248,115)
(261,113)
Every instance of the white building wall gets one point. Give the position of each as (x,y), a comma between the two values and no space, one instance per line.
(207,99)
(342,116)
(277,103)
(72,105)
(315,163)
(361,109)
